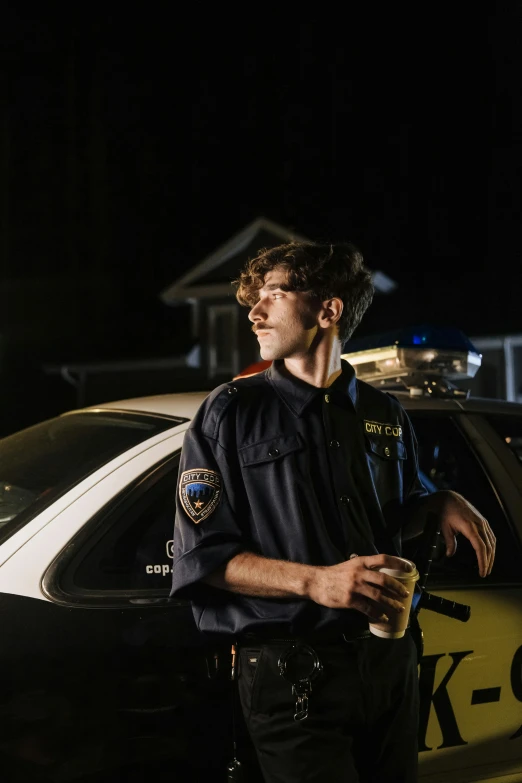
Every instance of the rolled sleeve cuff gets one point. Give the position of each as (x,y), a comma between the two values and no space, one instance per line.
(198,563)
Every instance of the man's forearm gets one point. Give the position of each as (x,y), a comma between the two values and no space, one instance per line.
(254,575)
(429,504)
(352,584)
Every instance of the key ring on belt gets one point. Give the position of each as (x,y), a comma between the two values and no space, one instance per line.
(301,686)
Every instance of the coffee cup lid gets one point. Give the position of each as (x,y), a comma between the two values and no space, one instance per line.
(399,572)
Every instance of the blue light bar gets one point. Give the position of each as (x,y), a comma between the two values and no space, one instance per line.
(423,336)
(423,358)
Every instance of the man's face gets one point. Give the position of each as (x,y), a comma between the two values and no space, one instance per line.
(285,322)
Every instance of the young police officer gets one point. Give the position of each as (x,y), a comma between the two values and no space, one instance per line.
(287,503)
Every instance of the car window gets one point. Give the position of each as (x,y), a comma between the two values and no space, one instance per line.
(127,548)
(509,427)
(43,462)
(446,461)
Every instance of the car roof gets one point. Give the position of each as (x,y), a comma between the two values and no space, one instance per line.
(471,405)
(185,404)
(174,405)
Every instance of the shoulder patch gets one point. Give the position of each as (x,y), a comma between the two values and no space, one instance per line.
(200,493)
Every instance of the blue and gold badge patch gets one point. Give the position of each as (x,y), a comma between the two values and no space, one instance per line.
(199,492)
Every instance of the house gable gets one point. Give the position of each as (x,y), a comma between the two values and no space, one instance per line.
(212,277)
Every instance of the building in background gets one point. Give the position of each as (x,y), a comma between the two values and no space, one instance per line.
(222,345)
(500,374)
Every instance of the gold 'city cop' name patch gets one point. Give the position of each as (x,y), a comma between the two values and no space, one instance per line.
(382,428)
(199,492)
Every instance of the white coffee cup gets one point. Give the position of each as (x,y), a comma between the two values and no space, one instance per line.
(397,622)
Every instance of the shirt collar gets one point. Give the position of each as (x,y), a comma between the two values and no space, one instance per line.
(297,394)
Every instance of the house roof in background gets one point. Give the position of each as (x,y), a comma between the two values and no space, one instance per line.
(213,275)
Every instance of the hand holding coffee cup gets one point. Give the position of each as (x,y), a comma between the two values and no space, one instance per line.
(397,622)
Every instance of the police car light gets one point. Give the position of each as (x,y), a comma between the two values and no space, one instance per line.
(423,358)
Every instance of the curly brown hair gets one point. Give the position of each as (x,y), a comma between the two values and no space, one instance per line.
(323,271)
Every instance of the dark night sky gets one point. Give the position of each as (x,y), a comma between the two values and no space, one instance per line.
(139,142)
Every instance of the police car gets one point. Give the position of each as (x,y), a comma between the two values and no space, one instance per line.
(103,678)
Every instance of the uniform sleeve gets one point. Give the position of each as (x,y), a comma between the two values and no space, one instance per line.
(413,488)
(206,530)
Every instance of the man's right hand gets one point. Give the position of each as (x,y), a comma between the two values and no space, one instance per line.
(358,584)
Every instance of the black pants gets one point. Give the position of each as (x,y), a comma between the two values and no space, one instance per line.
(363,713)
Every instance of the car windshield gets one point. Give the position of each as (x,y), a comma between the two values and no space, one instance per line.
(509,427)
(43,462)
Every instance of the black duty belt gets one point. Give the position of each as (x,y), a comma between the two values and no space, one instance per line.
(313,639)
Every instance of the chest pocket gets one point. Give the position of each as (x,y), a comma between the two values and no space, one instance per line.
(269,450)
(387,449)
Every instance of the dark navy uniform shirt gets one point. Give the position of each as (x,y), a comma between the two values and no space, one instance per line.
(275,466)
